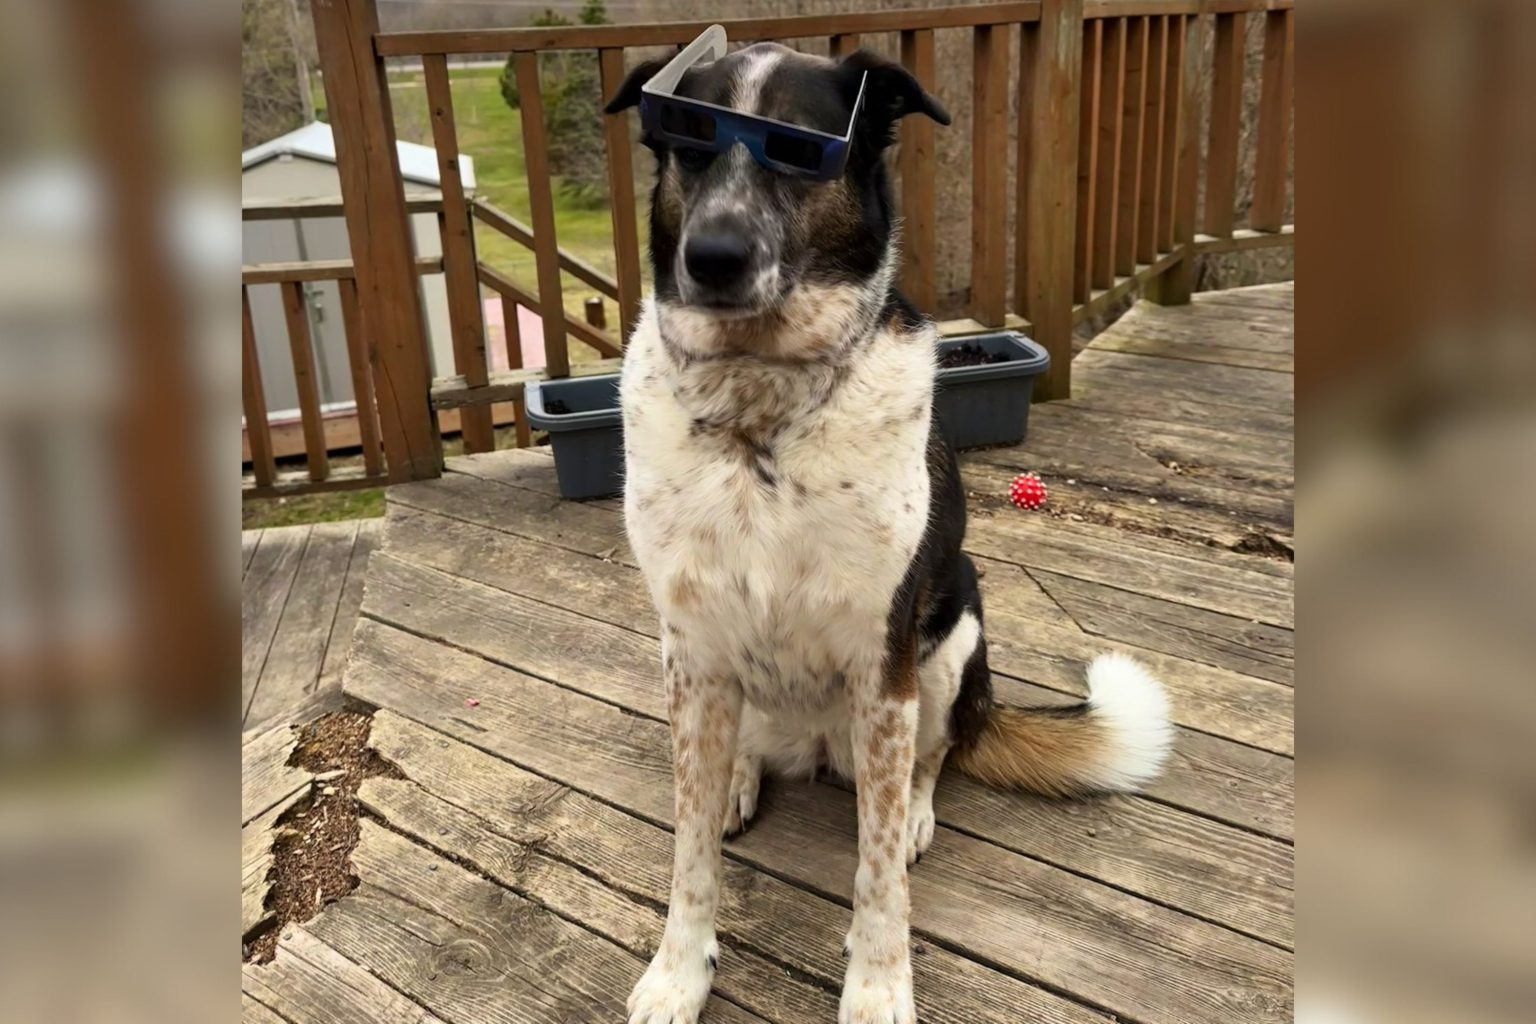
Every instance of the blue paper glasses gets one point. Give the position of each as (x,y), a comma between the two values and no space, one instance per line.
(776,145)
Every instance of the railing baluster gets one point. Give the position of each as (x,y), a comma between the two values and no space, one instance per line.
(1268,213)
(514,338)
(916,161)
(1173,122)
(296,312)
(542,200)
(1029,58)
(1106,204)
(1152,140)
(1177,285)
(1226,124)
(254,399)
(989,176)
(1087,158)
(1131,145)
(621,196)
(1046,211)
(465,320)
(844,44)
(359,363)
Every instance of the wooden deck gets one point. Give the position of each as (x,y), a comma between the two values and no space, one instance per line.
(300,591)
(518,871)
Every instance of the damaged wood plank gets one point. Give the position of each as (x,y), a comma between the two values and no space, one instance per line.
(266,778)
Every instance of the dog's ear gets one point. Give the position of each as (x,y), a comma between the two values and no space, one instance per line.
(629,92)
(890,94)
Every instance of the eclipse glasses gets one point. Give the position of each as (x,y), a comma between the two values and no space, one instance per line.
(776,145)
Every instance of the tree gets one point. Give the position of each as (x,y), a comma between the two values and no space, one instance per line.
(274,70)
(571,89)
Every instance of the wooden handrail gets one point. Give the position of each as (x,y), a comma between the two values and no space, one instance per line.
(522,234)
(595,37)
(327,206)
(317,270)
(507,288)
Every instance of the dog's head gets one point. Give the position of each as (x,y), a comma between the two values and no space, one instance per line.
(734,243)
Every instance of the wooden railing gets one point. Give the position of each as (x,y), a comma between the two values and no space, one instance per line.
(324,433)
(1107,149)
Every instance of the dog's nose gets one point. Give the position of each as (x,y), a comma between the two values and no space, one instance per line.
(717,259)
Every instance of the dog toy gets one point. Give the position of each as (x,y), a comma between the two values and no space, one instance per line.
(1027,491)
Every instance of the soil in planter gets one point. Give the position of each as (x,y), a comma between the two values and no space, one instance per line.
(970,354)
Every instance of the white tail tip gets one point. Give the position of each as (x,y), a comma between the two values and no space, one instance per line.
(1134,710)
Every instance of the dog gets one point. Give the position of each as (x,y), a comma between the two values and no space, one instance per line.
(798,518)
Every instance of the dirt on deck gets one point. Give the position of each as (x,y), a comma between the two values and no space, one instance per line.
(313,843)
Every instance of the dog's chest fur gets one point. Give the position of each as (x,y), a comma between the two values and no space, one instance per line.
(775,508)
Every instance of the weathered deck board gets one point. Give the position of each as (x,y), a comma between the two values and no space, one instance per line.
(350,604)
(574,892)
(292,670)
(256,839)
(249,539)
(265,588)
(300,594)
(1223,702)
(520,868)
(266,778)
(457,794)
(1177,858)
(473,949)
(253,1012)
(308,982)
(1035,920)
(1210,775)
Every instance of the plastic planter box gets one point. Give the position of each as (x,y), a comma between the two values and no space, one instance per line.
(586,432)
(989,403)
(976,405)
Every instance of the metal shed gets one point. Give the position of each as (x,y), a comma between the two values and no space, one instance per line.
(302,165)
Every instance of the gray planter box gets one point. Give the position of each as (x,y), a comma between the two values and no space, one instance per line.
(989,403)
(976,405)
(586,432)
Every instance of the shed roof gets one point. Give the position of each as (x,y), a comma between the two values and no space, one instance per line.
(314,141)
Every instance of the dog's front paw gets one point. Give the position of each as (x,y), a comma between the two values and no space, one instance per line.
(675,987)
(877,996)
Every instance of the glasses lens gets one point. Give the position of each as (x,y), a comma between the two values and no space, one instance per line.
(687,123)
(793,151)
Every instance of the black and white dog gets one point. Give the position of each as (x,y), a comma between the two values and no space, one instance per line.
(799,522)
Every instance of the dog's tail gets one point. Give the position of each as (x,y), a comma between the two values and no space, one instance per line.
(1115,741)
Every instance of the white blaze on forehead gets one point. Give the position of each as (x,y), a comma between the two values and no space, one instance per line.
(757,66)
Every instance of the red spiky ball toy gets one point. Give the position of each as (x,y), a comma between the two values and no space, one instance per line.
(1027,491)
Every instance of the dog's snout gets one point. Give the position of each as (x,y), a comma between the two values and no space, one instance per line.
(718,259)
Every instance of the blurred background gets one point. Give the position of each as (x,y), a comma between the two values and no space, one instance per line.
(119,505)
(1416,394)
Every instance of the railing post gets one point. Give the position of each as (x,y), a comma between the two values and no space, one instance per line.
(379,231)
(1177,284)
(1054,63)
